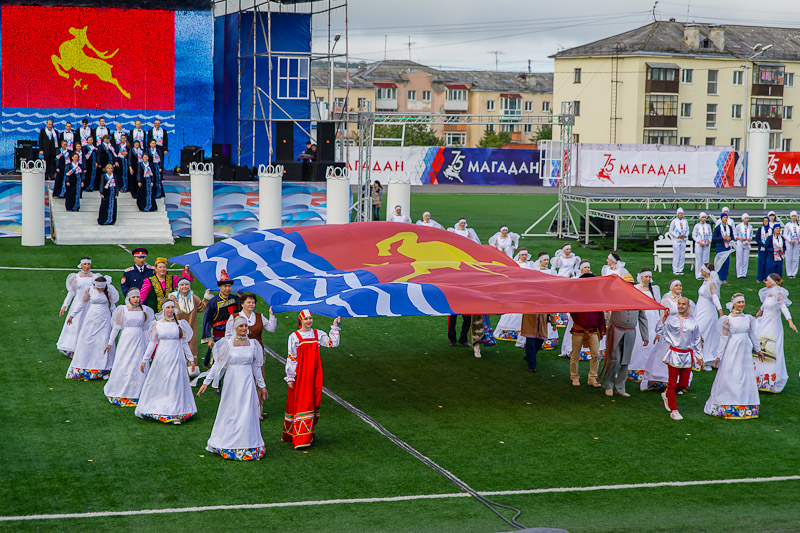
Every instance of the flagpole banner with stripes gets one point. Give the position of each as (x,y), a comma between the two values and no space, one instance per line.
(369,269)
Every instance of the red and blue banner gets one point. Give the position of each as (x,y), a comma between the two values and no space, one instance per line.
(482,166)
(394,269)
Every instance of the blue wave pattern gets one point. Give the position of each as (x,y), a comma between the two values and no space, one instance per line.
(11,210)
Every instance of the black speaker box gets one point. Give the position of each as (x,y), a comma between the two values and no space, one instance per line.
(292,171)
(326,141)
(222,152)
(241,173)
(284,140)
(224,173)
(191,154)
(26,152)
(321,169)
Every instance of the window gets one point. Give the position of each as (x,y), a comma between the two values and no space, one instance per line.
(293,78)
(527,128)
(576,75)
(426,96)
(662,105)
(662,74)
(660,137)
(766,108)
(788,79)
(713,76)
(576,138)
(736,143)
(736,111)
(489,105)
(686,110)
(711,141)
(711,115)
(509,128)
(455,138)
(362,104)
(528,107)
(788,112)
(685,141)
(338,104)
(387,93)
(546,107)
(456,95)
(774,140)
(511,106)
(738,77)
(686,78)
(768,74)
(786,145)
(412,95)
(576,108)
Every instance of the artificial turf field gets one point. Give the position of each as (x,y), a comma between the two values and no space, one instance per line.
(488,421)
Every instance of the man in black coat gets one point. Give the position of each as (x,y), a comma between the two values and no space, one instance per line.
(48,146)
(159,135)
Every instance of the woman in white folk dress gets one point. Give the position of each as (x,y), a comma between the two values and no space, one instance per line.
(77,283)
(771,375)
(132,322)
(461,229)
(237,433)
(641,354)
(428,221)
(505,241)
(734,394)
(656,372)
(91,360)
(566,263)
(614,266)
(166,394)
(708,312)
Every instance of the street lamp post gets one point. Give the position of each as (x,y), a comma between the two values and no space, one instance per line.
(758,49)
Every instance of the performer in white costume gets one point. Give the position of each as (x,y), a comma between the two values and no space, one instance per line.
(791,234)
(771,375)
(701,235)
(723,210)
(398,215)
(641,353)
(77,283)
(678,232)
(428,221)
(566,263)
(708,311)
(133,321)
(523,259)
(461,229)
(743,234)
(505,241)
(91,360)
(614,266)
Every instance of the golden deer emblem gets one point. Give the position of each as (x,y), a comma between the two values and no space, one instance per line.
(72,57)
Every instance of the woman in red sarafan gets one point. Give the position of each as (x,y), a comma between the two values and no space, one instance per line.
(304,376)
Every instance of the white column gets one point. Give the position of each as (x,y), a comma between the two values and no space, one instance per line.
(399,193)
(338,196)
(270,192)
(33,202)
(757,159)
(201,176)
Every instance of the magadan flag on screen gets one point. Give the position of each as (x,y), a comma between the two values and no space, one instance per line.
(87,58)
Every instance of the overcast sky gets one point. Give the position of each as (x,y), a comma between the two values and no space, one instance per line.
(465,34)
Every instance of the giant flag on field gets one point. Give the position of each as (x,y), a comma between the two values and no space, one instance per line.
(395,269)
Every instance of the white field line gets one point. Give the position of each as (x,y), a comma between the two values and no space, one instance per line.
(174,510)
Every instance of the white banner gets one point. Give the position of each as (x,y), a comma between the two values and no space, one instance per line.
(391,163)
(631,165)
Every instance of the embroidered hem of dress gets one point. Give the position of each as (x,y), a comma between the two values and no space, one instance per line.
(735,412)
(507,335)
(123,402)
(239,454)
(66,354)
(653,385)
(549,344)
(635,375)
(86,374)
(167,419)
(561,320)
(586,355)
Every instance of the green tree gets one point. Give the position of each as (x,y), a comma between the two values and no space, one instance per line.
(494,140)
(415,135)
(544,133)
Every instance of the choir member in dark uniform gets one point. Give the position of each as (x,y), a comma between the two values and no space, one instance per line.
(62,156)
(108,197)
(91,169)
(157,162)
(101,131)
(84,132)
(121,163)
(134,160)
(138,134)
(133,277)
(73,177)
(159,135)
(146,197)
(219,309)
(106,155)
(48,146)
(69,136)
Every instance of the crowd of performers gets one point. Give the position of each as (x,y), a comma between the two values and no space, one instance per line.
(96,159)
(146,350)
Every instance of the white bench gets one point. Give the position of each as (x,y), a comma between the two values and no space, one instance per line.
(662,251)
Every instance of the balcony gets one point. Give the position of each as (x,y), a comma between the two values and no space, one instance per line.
(455,105)
(775,123)
(386,104)
(775,91)
(660,121)
(455,127)
(662,86)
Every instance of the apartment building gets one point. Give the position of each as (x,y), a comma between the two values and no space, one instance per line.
(681,83)
(409,87)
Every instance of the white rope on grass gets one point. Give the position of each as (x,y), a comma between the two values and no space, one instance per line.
(389,499)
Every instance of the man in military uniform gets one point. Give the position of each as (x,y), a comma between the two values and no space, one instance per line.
(133,277)
(219,309)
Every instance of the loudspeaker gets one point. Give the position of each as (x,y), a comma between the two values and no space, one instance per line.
(241,173)
(27,143)
(224,173)
(222,153)
(326,141)
(321,169)
(24,153)
(284,137)
(191,154)
(292,171)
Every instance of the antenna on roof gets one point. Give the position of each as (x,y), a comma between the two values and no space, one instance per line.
(410,42)
(655,5)
(688,5)
(496,60)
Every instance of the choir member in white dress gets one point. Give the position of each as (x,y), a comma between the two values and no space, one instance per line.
(237,432)
(566,263)
(505,241)
(701,235)
(428,221)
(133,321)
(773,219)
(791,234)
(641,353)
(461,229)
(682,339)
(614,266)
(771,375)
(743,234)
(166,394)
(708,311)
(91,360)
(678,232)
(77,283)
(734,394)
(398,215)
(656,373)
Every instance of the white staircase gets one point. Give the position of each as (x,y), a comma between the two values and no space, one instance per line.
(132,227)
